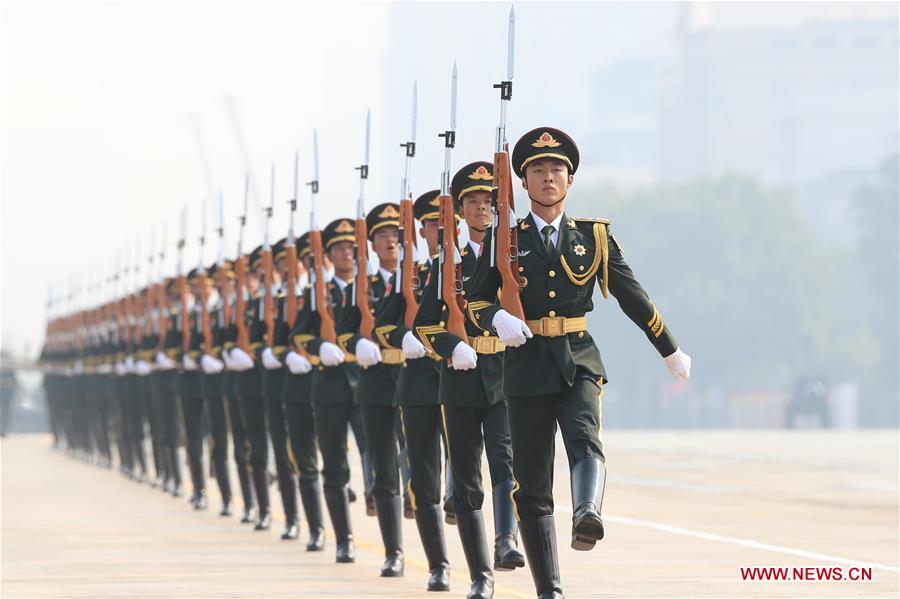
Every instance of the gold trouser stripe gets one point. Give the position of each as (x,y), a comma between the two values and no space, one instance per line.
(290,452)
(512,498)
(409,491)
(446,432)
(556,326)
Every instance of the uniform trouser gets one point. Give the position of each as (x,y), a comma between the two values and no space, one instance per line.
(192,410)
(381,438)
(151,410)
(470,431)
(134,420)
(241,447)
(332,420)
(359,434)
(218,429)
(254,409)
(287,484)
(170,436)
(533,422)
(423,431)
(101,421)
(302,428)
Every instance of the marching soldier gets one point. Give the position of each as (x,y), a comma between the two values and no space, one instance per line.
(474,407)
(166,382)
(275,373)
(191,389)
(297,396)
(417,395)
(333,383)
(375,392)
(214,383)
(553,374)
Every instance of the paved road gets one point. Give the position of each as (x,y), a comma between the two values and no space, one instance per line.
(685,511)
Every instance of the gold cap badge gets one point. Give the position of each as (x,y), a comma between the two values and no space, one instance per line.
(546,141)
(389,212)
(345,226)
(481,173)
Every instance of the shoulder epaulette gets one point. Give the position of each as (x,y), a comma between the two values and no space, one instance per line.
(605,221)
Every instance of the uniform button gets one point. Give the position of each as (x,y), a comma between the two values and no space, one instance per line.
(487,334)
(552,313)
(521,269)
(551,293)
(442,324)
(552,273)
(581,333)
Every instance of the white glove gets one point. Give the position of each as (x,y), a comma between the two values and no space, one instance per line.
(79,367)
(330,354)
(679,364)
(412,347)
(211,365)
(512,331)
(229,365)
(269,360)
(120,368)
(164,362)
(297,364)
(129,364)
(367,353)
(189,363)
(104,369)
(142,368)
(464,357)
(240,360)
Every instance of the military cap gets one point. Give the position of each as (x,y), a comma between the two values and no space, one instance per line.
(303,247)
(475,176)
(279,250)
(383,215)
(341,229)
(427,206)
(544,142)
(198,273)
(170,285)
(226,267)
(256,257)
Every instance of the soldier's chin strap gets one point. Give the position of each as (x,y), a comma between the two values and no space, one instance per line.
(547,205)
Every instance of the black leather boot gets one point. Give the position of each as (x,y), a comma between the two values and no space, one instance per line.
(339,510)
(539,539)
(288,490)
(431,533)
(507,556)
(264,520)
(249,513)
(199,499)
(291,530)
(227,508)
(474,543)
(390,512)
(261,486)
(248,516)
(588,481)
(310,493)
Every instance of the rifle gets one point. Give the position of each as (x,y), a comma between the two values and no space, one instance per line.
(150,308)
(449,283)
(268,267)
(292,274)
(181,285)
(221,275)
(162,297)
(205,329)
(407,232)
(321,304)
(137,305)
(240,274)
(361,267)
(505,230)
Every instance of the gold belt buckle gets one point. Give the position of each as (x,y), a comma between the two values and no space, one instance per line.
(485,345)
(392,355)
(553,326)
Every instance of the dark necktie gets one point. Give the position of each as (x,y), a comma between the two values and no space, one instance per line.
(547,232)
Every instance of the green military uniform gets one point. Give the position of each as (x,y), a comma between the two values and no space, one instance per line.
(191,393)
(474,408)
(166,383)
(332,390)
(301,424)
(274,385)
(555,378)
(375,394)
(418,398)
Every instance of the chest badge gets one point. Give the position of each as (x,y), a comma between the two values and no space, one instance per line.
(580,250)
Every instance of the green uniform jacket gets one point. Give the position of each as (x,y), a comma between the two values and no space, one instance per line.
(560,283)
(478,387)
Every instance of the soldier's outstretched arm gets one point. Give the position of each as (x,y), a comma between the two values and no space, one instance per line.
(634,301)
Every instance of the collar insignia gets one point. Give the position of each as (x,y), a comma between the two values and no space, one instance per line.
(546,141)
(571,224)
(524,225)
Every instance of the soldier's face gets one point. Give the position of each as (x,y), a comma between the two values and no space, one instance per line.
(252,282)
(429,231)
(476,209)
(341,254)
(386,242)
(547,181)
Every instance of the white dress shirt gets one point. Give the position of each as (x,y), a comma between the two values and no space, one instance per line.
(540,224)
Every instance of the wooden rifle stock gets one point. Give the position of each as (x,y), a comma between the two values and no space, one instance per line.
(407,269)
(506,250)
(450,280)
(292,276)
(222,280)
(366,320)
(136,310)
(268,300)
(162,302)
(204,314)
(181,284)
(240,304)
(327,329)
